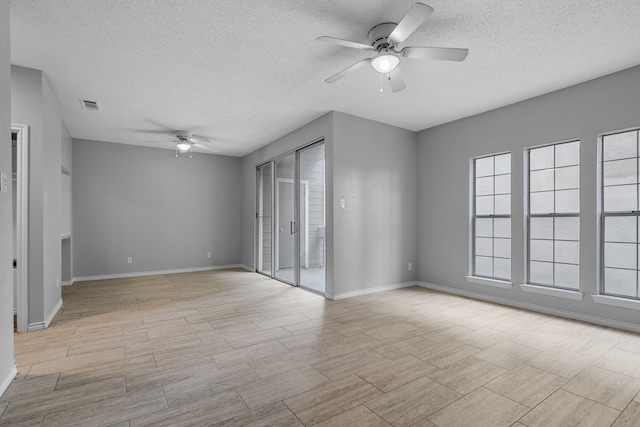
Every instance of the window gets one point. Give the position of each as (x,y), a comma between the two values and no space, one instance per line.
(553,216)
(620,210)
(491,217)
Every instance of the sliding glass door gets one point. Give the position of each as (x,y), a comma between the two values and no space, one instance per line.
(290,218)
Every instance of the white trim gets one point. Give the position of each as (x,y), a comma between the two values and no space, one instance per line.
(22,224)
(489,282)
(246,267)
(66,283)
(554,292)
(6,382)
(377,289)
(45,324)
(157,272)
(634,327)
(617,301)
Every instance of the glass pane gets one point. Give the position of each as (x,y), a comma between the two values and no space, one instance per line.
(620,172)
(621,255)
(620,282)
(620,229)
(503,205)
(567,228)
(502,248)
(484,186)
(264,219)
(484,166)
(541,158)
(568,178)
(568,201)
(502,227)
(484,266)
(311,231)
(541,180)
(567,276)
(503,164)
(567,252)
(620,146)
(541,273)
(621,198)
(484,227)
(568,154)
(503,184)
(484,246)
(484,205)
(285,207)
(541,250)
(502,268)
(541,202)
(541,228)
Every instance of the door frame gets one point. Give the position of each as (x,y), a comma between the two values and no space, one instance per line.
(22,223)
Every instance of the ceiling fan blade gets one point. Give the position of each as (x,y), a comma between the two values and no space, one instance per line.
(396,80)
(348,70)
(204,147)
(162,142)
(346,43)
(416,16)
(437,53)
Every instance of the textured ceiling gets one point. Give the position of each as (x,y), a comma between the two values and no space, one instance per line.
(246,72)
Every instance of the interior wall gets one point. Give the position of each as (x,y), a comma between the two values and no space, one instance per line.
(582,111)
(7,361)
(374,172)
(164,212)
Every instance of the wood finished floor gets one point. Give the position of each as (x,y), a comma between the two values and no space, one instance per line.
(233,348)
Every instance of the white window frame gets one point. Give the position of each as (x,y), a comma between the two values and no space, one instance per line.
(545,288)
(494,281)
(604,297)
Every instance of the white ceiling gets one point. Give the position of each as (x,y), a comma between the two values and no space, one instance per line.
(247,72)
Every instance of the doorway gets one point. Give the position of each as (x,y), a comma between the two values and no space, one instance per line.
(20,181)
(290,218)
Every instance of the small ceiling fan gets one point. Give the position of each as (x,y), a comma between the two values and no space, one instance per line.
(384,39)
(185,141)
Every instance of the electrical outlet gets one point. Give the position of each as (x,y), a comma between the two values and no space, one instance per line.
(129,260)
(208,254)
(410,266)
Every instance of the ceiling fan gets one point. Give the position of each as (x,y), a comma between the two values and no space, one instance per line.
(384,39)
(185,141)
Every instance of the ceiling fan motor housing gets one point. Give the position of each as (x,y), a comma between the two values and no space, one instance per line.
(183,135)
(379,36)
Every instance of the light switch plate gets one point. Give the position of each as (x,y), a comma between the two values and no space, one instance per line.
(4,182)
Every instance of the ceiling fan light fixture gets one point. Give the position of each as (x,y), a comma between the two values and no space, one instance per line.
(385,62)
(183,146)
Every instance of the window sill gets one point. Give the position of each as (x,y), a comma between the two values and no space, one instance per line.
(616,301)
(554,292)
(488,282)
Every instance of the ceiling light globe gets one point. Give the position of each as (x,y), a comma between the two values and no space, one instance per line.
(385,62)
(183,147)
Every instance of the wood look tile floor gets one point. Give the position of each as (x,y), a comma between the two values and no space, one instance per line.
(233,348)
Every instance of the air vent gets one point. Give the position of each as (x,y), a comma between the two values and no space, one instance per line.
(90,105)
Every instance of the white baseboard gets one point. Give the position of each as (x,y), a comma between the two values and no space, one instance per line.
(66,283)
(155,273)
(47,321)
(6,382)
(377,289)
(534,307)
(246,267)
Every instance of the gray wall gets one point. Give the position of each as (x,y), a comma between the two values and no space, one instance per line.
(7,362)
(583,111)
(372,166)
(34,103)
(163,211)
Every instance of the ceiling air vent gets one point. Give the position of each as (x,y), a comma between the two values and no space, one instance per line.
(90,105)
